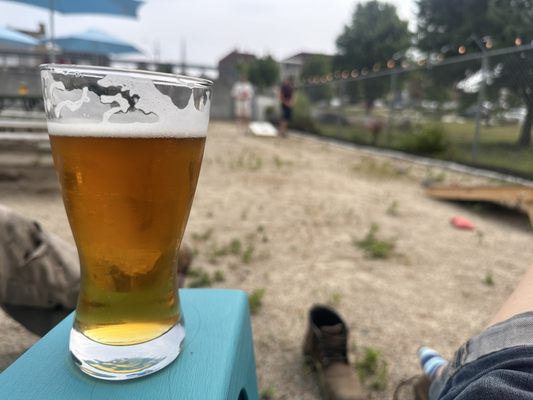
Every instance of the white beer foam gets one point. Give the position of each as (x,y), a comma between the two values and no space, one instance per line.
(163,117)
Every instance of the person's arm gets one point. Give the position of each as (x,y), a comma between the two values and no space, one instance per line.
(520,301)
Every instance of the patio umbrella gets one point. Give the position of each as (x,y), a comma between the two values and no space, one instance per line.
(96,42)
(126,8)
(13,38)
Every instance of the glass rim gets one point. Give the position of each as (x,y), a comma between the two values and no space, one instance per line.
(157,77)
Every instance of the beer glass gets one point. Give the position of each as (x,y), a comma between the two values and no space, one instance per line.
(127,147)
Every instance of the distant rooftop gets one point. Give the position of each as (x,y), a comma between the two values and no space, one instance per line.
(302,57)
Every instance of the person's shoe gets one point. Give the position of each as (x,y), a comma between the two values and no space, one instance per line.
(325,350)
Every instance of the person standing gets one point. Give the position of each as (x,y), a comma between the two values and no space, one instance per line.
(286,97)
(243,93)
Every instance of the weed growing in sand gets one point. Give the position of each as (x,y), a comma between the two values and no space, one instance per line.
(433,177)
(480,236)
(199,278)
(248,253)
(202,237)
(219,276)
(255,299)
(267,393)
(335,299)
(375,247)
(235,247)
(376,170)
(280,163)
(489,279)
(392,209)
(248,161)
(372,369)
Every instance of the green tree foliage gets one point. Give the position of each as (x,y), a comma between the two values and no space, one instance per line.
(263,72)
(375,34)
(450,23)
(317,65)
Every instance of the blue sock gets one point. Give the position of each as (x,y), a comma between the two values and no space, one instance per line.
(430,361)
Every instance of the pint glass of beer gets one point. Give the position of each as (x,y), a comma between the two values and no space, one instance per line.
(127,147)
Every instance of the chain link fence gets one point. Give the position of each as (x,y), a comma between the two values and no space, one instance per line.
(470,109)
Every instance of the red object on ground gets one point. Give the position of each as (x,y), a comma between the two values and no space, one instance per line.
(462,223)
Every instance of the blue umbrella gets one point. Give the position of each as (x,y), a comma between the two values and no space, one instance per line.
(14,38)
(96,42)
(126,8)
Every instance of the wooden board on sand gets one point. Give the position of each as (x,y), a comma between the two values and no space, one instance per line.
(520,197)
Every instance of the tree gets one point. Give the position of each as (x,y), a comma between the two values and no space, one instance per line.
(450,23)
(263,72)
(317,65)
(374,36)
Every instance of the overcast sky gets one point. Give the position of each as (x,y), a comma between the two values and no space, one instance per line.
(212,28)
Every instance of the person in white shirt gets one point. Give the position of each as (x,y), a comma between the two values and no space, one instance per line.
(243,93)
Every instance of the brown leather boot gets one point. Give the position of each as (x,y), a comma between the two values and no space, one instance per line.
(325,350)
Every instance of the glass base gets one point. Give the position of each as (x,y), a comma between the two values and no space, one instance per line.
(117,363)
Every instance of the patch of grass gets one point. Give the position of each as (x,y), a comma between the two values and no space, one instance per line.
(335,299)
(480,236)
(255,299)
(248,161)
(375,247)
(433,178)
(199,278)
(429,140)
(376,169)
(280,163)
(392,209)
(267,393)
(204,236)
(488,279)
(248,253)
(372,369)
(219,276)
(235,247)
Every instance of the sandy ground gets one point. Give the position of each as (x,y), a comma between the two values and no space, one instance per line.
(293,209)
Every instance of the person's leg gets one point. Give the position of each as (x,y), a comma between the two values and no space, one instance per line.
(520,301)
(491,339)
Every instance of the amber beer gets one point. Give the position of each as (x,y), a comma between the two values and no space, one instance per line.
(127,201)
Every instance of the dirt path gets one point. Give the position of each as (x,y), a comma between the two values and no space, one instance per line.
(283,216)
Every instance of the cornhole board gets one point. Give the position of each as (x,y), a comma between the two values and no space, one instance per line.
(519,197)
(263,129)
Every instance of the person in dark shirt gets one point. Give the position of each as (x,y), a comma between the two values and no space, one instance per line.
(496,364)
(286,97)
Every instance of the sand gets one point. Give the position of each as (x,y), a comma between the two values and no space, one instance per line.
(284,214)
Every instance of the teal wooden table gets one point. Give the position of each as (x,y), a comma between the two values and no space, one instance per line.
(216,363)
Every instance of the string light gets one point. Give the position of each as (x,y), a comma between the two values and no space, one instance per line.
(518,42)
(337,74)
(461,50)
(354,73)
(364,71)
(329,77)
(391,64)
(376,67)
(345,74)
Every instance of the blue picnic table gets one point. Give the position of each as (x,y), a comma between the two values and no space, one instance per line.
(216,362)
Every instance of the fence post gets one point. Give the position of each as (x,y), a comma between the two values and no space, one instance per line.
(480,101)
(390,123)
